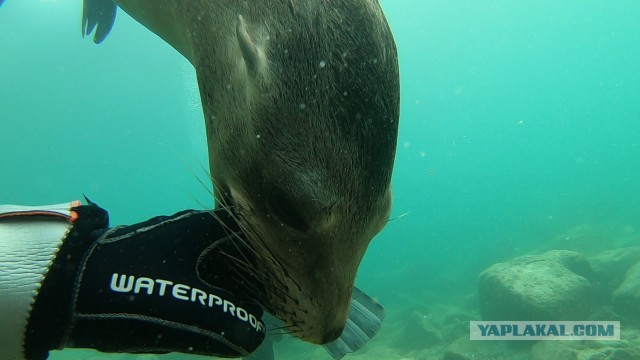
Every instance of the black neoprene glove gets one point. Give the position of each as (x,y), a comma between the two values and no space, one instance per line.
(137,289)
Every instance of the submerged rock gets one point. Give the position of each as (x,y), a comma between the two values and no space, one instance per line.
(626,298)
(585,238)
(626,349)
(610,267)
(616,354)
(418,334)
(455,324)
(546,350)
(551,286)
(465,349)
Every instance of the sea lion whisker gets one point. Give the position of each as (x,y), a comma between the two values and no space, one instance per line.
(286,294)
(293,280)
(284,327)
(216,188)
(236,260)
(255,293)
(246,246)
(274,260)
(285,330)
(237,241)
(231,233)
(263,244)
(250,268)
(294,334)
(220,200)
(206,187)
(399,216)
(279,288)
(243,228)
(282,294)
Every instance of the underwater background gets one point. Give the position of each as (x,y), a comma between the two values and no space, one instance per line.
(519,134)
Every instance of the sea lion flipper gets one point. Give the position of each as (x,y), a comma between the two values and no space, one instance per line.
(99,15)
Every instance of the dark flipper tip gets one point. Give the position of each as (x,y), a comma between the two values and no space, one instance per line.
(99,15)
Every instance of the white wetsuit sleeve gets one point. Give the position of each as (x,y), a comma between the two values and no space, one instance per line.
(29,240)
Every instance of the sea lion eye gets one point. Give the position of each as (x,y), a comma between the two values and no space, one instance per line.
(283,209)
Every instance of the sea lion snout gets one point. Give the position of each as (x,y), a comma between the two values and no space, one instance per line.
(332,334)
(309,271)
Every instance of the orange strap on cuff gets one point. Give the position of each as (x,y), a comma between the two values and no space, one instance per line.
(58,210)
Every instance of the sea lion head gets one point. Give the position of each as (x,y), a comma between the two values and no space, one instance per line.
(301,105)
(302,124)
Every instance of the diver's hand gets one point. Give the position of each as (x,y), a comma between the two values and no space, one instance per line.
(136,289)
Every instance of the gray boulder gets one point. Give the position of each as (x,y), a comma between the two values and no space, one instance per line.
(551,286)
(625,349)
(465,349)
(626,298)
(586,239)
(418,333)
(546,350)
(610,267)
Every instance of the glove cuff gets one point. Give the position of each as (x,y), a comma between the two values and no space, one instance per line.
(50,313)
(30,237)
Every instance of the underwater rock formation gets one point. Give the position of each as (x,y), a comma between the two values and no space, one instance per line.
(626,298)
(628,348)
(611,266)
(585,238)
(418,333)
(551,286)
(465,349)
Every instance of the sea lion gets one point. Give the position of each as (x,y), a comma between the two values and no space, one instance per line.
(301,105)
